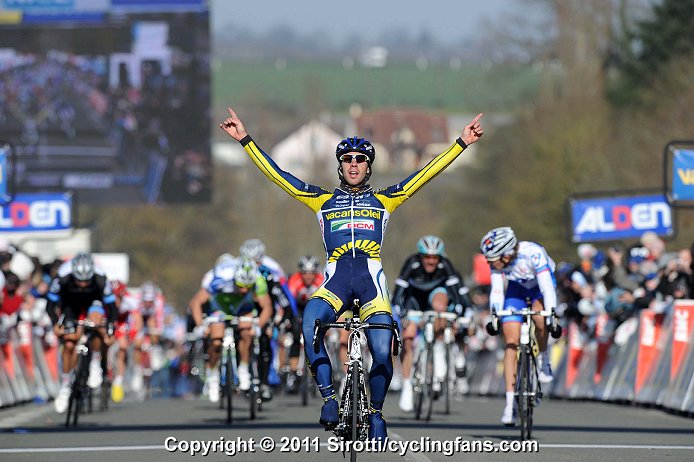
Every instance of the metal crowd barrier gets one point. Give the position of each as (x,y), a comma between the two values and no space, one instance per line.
(648,359)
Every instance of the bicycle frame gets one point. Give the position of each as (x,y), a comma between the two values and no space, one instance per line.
(423,377)
(353,423)
(228,367)
(79,388)
(528,391)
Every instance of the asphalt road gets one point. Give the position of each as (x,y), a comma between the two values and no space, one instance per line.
(135,431)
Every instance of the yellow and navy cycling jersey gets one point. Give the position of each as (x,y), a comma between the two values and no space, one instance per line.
(352,226)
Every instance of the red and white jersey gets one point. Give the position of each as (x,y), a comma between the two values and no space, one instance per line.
(129,304)
(155,308)
(299,290)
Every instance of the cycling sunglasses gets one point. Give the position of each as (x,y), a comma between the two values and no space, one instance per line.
(493,259)
(349,158)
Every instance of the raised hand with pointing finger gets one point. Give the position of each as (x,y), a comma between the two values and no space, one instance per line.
(233,126)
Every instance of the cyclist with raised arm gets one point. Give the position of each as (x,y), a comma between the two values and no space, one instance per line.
(428,280)
(302,285)
(80,291)
(529,273)
(353,220)
(234,288)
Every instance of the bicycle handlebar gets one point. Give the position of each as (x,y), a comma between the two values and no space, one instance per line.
(524,312)
(86,323)
(555,329)
(352,324)
(461,321)
(230,319)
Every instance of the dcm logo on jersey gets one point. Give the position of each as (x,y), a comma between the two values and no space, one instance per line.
(338,225)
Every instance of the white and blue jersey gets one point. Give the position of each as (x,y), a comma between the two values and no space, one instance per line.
(530,275)
(225,298)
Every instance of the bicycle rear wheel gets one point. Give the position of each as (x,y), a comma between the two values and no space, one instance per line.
(523,394)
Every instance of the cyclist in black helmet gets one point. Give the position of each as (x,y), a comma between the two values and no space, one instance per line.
(80,291)
(353,220)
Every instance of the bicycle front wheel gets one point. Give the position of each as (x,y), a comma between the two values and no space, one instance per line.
(357,412)
(228,387)
(428,395)
(523,396)
(446,381)
(418,384)
(78,387)
(254,391)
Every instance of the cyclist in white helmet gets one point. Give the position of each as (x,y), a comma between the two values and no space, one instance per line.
(234,289)
(283,304)
(529,271)
(255,250)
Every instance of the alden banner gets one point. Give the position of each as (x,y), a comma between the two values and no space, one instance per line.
(619,217)
(37,212)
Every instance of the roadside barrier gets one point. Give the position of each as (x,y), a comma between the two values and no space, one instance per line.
(648,359)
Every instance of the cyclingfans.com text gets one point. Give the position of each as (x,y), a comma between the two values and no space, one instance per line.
(295,445)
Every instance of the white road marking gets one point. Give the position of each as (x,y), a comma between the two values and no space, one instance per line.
(616,446)
(82,449)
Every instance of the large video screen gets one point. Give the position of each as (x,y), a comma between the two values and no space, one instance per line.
(113,103)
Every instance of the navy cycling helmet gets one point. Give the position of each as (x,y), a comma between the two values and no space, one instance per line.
(356,144)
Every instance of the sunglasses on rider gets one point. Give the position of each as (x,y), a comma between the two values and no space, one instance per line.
(493,259)
(349,158)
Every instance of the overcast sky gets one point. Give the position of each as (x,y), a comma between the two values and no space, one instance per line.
(446,20)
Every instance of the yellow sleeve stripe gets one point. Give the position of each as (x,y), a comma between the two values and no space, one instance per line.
(265,167)
(433,168)
(312,199)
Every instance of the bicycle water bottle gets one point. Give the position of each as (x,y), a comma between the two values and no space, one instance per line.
(447,335)
(429,332)
(525,334)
